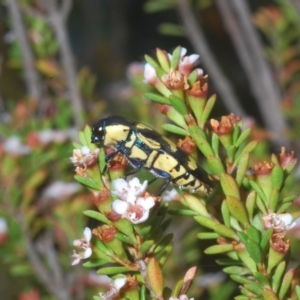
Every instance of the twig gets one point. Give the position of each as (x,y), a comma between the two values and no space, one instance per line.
(58,278)
(42,273)
(237,19)
(197,39)
(57,18)
(32,80)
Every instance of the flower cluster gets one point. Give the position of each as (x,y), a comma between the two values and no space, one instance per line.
(83,158)
(134,202)
(84,244)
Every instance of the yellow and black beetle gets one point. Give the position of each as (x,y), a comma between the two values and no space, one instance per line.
(144,147)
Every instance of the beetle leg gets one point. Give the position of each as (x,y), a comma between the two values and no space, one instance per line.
(162,174)
(152,180)
(168,181)
(136,167)
(108,158)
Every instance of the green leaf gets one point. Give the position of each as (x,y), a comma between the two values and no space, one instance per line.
(236,270)
(21,269)
(171,29)
(152,62)
(284,207)
(249,148)
(95,263)
(225,213)
(254,288)
(97,215)
(229,186)
(230,150)
(157,98)
(163,243)
(242,168)
(264,243)
(286,283)
(277,176)
(216,165)
(240,279)
(163,59)
(262,279)
(225,231)
(143,292)
(88,133)
(253,234)
(145,230)
(182,212)
(206,222)
(178,104)
(102,160)
(165,254)
(215,142)
(193,77)
(175,129)
(250,204)
(217,249)
(258,190)
(289,198)
(237,210)
(89,183)
(156,6)
(243,237)
(145,247)
(269,294)
(113,270)
(227,262)
(254,251)
(207,235)
(195,204)
(123,238)
(207,110)
(201,142)
(242,137)
(176,57)
(297,290)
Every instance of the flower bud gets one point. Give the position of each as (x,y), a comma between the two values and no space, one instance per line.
(155,277)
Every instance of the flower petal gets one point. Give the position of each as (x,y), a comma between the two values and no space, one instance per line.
(87,253)
(120,207)
(119,283)
(87,234)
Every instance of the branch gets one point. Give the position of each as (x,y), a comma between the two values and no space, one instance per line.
(42,273)
(197,39)
(57,19)
(237,19)
(31,77)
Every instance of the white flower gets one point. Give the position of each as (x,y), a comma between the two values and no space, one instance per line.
(170,195)
(150,76)
(84,244)
(128,191)
(84,156)
(60,190)
(134,204)
(3,226)
(47,136)
(114,289)
(280,222)
(3,230)
(14,146)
